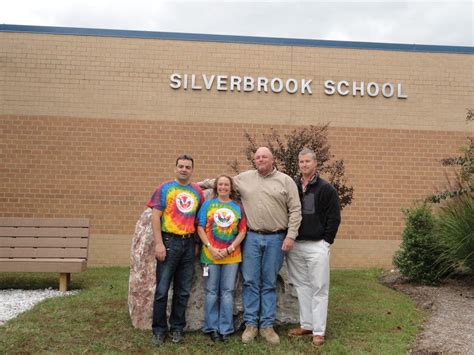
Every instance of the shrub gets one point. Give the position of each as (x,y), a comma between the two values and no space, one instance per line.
(464,165)
(420,257)
(455,228)
(286,148)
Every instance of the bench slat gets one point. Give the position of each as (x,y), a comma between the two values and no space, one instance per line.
(44,245)
(42,265)
(43,242)
(44,222)
(43,253)
(43,231)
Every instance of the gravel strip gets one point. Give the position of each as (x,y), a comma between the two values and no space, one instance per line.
(13,301)
(449,328)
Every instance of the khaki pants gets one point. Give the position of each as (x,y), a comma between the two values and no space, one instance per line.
(308,267)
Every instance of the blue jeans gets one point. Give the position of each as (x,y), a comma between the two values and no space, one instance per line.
(178,267)
(262,259)
(219,289)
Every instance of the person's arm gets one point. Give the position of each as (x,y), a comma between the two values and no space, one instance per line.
(333,213)
(202,221)
(209,183)
(242,232)
(216,253)
(206,184)
(294,216)
(240,237)
(160,249)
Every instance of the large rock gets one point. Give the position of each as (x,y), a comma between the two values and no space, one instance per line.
(143,279)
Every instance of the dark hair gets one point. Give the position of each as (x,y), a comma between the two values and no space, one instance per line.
(185,157)
(233,193)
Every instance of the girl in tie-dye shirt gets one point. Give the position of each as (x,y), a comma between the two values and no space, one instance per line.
(222,227)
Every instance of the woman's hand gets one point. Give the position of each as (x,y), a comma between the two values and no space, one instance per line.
(216,253)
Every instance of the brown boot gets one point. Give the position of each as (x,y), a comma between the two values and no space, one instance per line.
(270,336)
(297,332)
(249,334)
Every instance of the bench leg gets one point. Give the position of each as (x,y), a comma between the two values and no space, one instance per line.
(64,281)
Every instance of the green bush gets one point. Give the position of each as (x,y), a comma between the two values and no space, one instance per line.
(464,164)
(455,228)
(421,257)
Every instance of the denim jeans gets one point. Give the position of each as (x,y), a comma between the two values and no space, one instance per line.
(178,267)
(219,289)
(262,259)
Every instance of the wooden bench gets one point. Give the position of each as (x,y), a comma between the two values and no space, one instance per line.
(44,245)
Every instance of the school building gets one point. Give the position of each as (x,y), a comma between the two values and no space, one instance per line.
(91,121)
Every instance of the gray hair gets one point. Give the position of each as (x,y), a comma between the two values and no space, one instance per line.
(306,151)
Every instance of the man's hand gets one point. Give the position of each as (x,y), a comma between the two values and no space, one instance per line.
(160,249)
(288,244)
(160,252)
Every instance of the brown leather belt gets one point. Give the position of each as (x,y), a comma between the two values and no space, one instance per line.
(263,232)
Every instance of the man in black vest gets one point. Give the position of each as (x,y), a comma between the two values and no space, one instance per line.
(308,261)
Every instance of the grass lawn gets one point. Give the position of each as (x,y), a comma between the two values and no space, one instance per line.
(364,317)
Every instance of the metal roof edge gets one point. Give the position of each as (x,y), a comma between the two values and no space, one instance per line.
(235,39)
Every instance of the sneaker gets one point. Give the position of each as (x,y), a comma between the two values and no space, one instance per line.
(297,332)
(318,340)
(158,339)
(225,338)
(270,336)
(249,334)
(215,337)
(176,336)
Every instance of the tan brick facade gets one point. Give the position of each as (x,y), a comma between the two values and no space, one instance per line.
(90,125)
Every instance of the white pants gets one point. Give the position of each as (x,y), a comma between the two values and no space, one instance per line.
(308,268)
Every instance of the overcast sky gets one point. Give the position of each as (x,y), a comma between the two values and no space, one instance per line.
(447,22)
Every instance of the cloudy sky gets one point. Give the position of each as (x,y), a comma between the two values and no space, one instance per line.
(447,22)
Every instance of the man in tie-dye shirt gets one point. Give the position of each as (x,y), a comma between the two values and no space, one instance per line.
(175,205)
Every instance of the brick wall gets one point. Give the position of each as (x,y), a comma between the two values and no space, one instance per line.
(107,169)
(89,126)
(128,78)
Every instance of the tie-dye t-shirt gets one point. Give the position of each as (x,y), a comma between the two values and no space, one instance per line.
(222,221)
(179,205)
